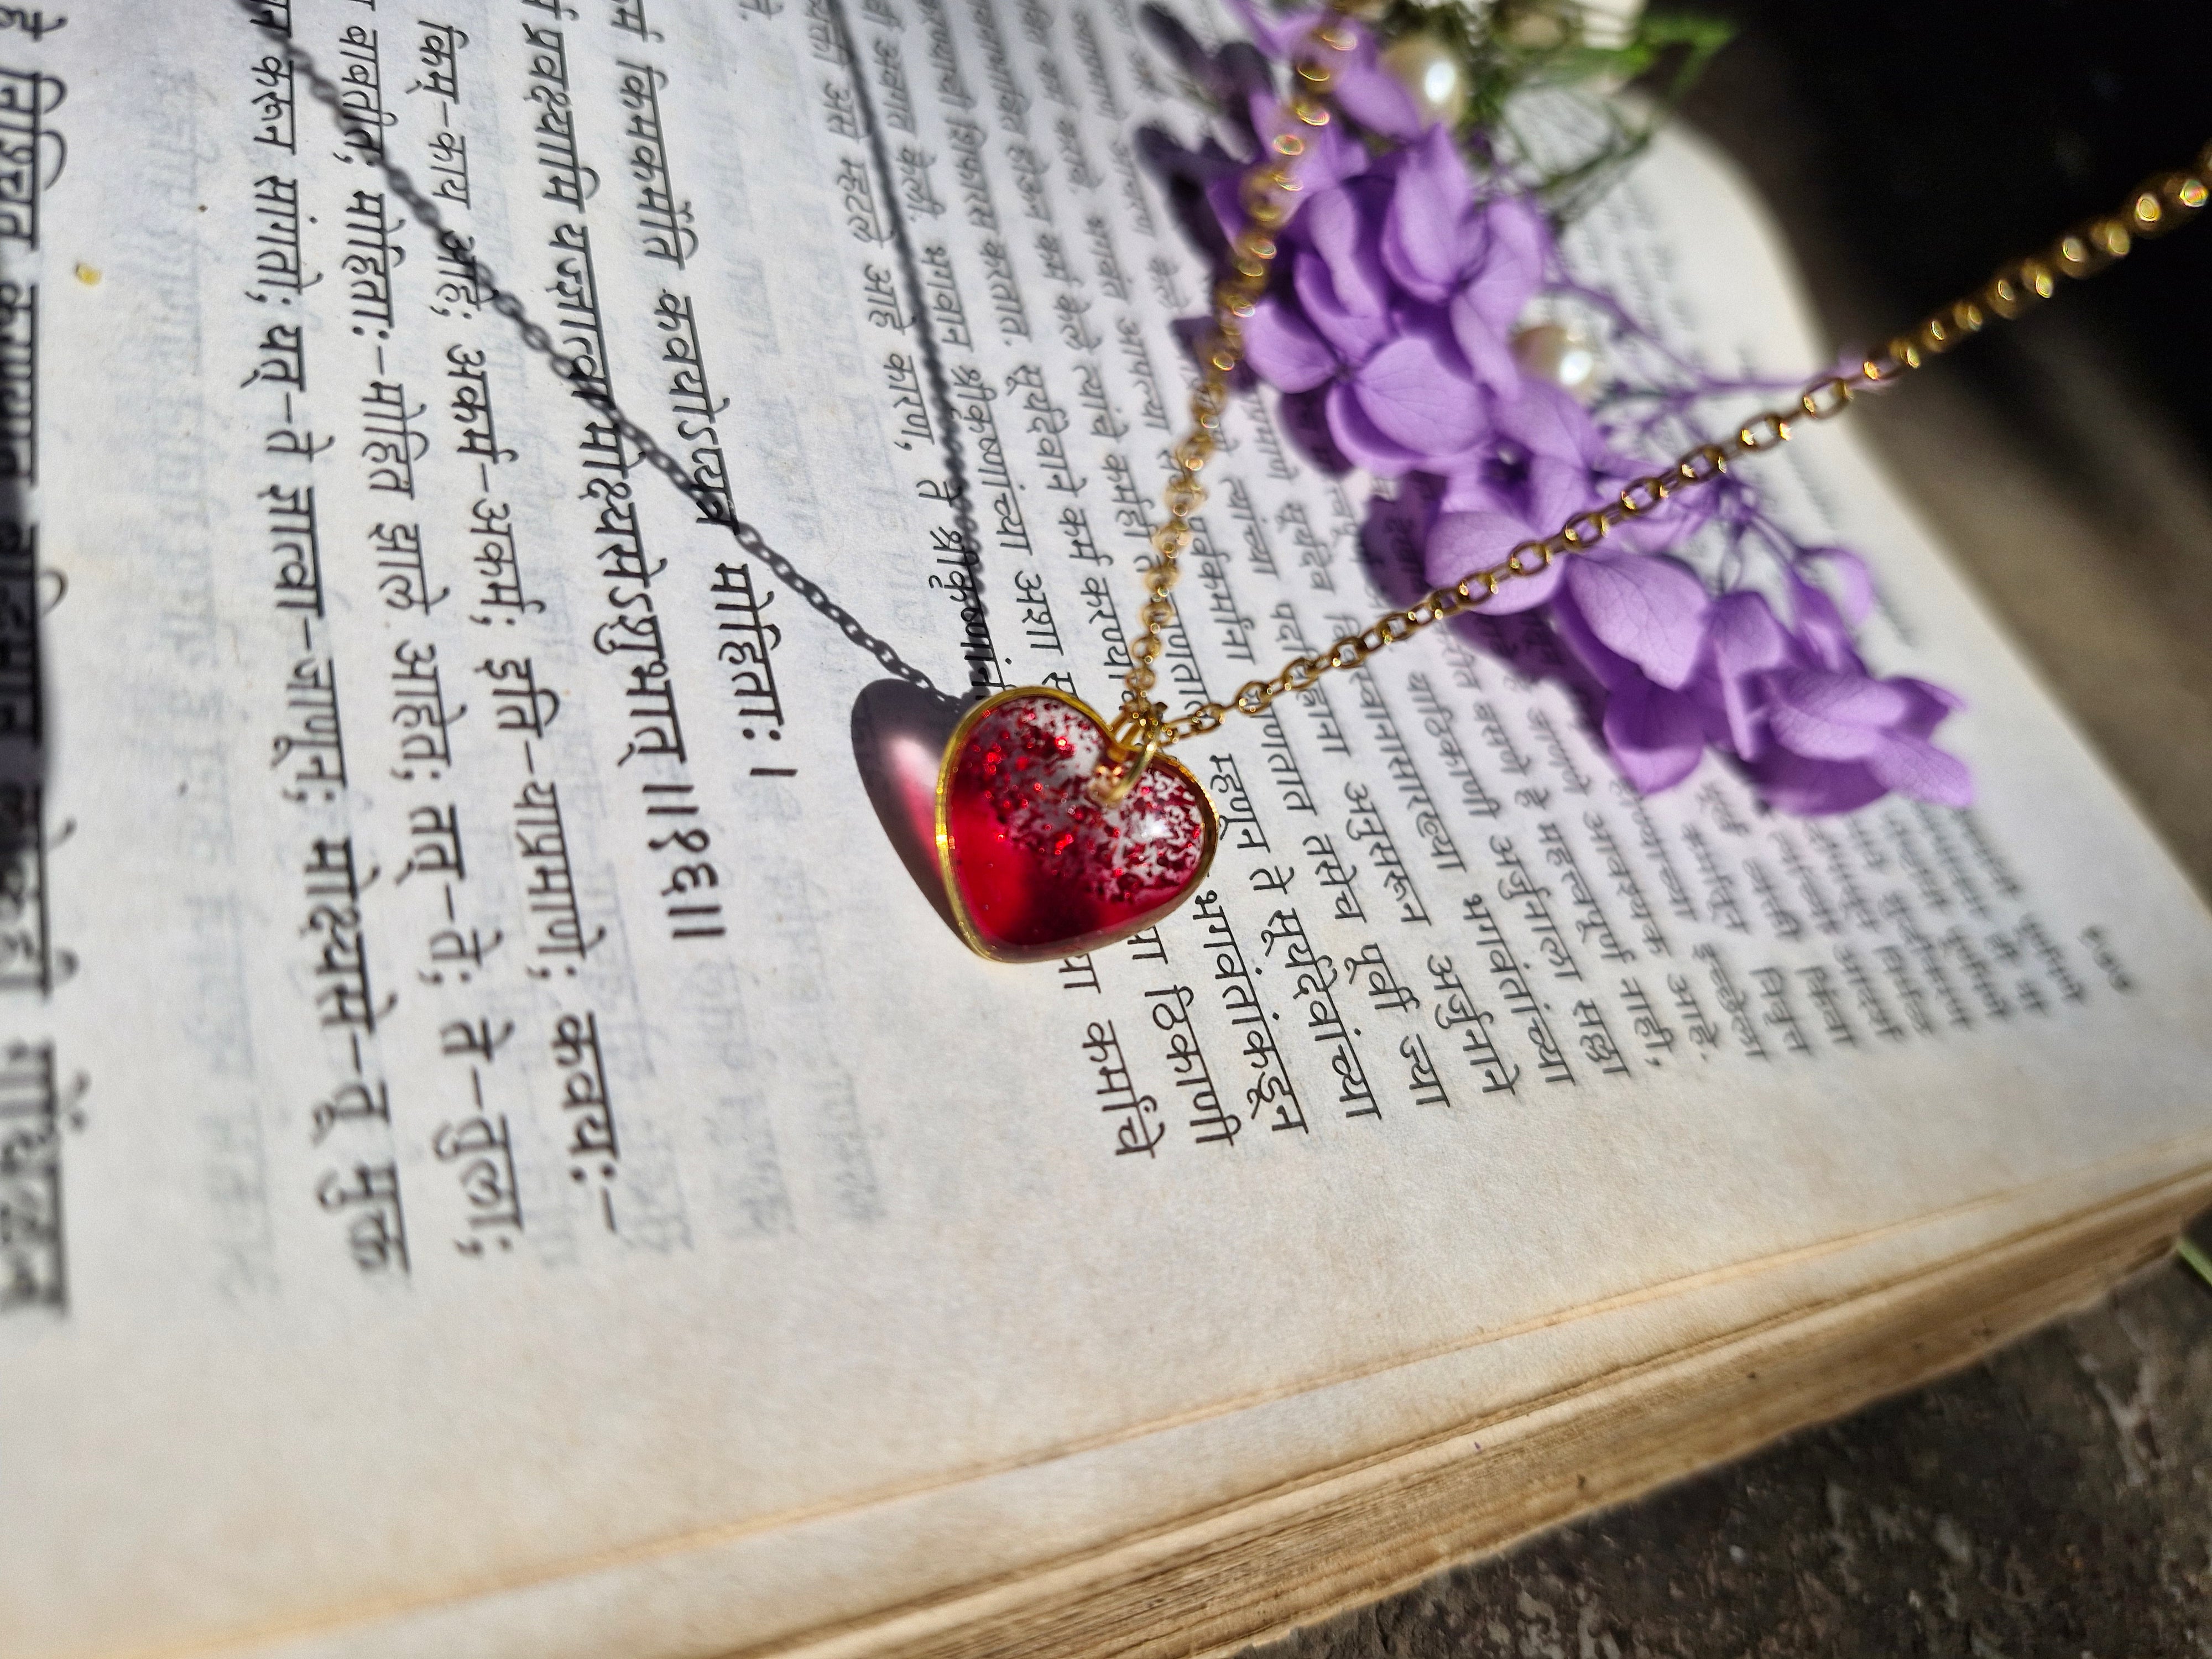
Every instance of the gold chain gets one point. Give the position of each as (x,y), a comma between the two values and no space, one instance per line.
(1142,728)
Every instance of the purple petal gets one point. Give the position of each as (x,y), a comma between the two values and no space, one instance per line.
(1818,738)
(1418,400)
(1657,736)
(1666,526)
(1740,710)
(1377,99)
(1339,226)
(1809,788)
(1606,666)
(1333,155)
(1555,493)
(1930,705)
(1283,350)
(1545,420)
(1821,631)
(1649,610)
(1425,234)
(1468,489)
(1854,698)
(1833,716)
(1747,635)
(1915,766)
(1745,638)
(1488,351)
(1853,594)
(1462,543)
(1360,440)
(1728,716)
(1509,266)
(1356,333)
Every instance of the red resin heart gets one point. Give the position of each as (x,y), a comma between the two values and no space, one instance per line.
(1036,869)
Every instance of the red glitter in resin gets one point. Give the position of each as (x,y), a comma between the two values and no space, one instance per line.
(1036,868)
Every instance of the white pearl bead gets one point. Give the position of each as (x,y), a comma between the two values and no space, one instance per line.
(1431,71)
(1550,351)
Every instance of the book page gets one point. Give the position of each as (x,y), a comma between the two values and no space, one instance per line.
(492,1095)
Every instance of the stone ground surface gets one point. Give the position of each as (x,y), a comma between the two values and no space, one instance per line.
(2055,1501)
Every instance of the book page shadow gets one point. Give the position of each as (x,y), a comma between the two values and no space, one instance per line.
(899,734)
(27,591)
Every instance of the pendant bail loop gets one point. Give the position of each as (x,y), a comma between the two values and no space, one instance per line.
(1133,742)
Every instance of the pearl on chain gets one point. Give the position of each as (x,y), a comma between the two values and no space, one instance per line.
(1553,352)
(1430,70)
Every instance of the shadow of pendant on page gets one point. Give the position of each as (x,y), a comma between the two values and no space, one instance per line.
(899,734)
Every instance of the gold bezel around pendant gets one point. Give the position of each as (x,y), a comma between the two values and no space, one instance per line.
(962,920)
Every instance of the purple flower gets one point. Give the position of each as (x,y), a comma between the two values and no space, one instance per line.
(1482,261)
(1388,328)
(1638,622)
(1841,740)
(1682,670)
(1359,85)
(1393,313)
(1544,461)
(1819,733)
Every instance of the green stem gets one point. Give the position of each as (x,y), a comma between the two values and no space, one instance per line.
(2186,1249)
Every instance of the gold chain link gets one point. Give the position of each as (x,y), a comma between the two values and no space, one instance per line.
(1143,727)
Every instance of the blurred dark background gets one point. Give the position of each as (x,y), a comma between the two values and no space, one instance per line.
(2056,1499)
(1938,137)
(1908,147)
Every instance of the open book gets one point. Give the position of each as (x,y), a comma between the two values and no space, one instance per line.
(500,1152)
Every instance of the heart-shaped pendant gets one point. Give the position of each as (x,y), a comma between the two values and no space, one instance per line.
(1034,867)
